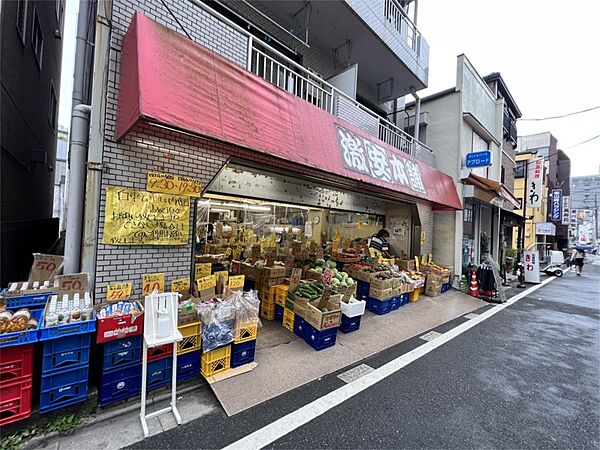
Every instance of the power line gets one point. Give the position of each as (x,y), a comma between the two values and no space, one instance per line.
(562,115)
(583,142)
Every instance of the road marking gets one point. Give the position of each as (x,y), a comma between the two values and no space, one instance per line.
(285,425)
(355,373)
(430,336)
(471,316)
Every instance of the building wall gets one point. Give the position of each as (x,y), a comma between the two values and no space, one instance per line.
(508,163)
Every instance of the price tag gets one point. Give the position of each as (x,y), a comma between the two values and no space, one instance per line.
(180,285)
(372,252)
(203,270)
(417,263)
(224,275)
(207,282)
(295,278)
(119,291)
(72,284)
(153,282)
(45,267)
(327,276)
(237,282)
(325,297)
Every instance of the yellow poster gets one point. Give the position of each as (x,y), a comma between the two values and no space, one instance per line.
(173,184)
(180,285)
(237,282)
(207,282)
(120,291)
(202,270)
(142,218)
(153,282)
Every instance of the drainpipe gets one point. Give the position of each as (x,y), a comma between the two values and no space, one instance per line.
(416,5)
(417,116)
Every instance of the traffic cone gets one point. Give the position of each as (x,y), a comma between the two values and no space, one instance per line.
(474,288)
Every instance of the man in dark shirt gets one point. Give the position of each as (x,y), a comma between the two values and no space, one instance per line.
(379,242)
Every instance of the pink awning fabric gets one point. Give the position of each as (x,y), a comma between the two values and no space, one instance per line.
(170,80)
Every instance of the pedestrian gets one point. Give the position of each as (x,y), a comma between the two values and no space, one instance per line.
(577,258)
(379,242)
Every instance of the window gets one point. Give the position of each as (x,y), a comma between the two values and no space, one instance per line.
(520,169)
(37,38)
(21,18)
(52,107)
(502,175)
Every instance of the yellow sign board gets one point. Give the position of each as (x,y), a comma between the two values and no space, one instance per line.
(173,184)
(153,282)
(237,281)
(222,274)
(372,252)
(207,282)
(142,218)
(180,284)
(119,291)
(203,270)
(423,237)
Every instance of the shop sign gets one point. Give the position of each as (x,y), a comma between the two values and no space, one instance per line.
(555,206)
(566,210)
(545,229)
(173,184)
(361,155)
(535,172)
(180,285)
(479,159)
(118,291)
(72,284)
(142,218)
(153,282)
(532,267)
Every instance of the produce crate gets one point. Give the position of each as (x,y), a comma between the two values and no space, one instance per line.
(216,361)
(120,384)
(281,292)
(22,337)
(349,324)
(353,309)
(379,306)
(299,326)
(63,388)
(362,290)
(159,373)
(16,363)
(121,353)
(15,400)
(27,300)
(320,340)
(267,310)
(279,313)
(245,330)
(59,331)
(242,353)
(66,352)
(396,303)
(111,328)
(160,352)
(191,341)
(188,365)
(445,287)
(288,319)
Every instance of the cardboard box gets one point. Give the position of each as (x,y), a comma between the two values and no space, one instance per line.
(248,270)
(362,275)
(433,290)
(300,306)
(434,280)
(380,294)
(407,264)
(271,273)
(396,292)
(396,282)
(324,320)
(381,284)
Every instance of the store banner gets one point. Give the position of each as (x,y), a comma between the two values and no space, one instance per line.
(535,174)
(556,206)
(532,267)
(566,210)
(142,218)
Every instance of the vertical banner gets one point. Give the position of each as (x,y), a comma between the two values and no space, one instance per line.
(532,267)
(535,173)
(556,206)
(566,210)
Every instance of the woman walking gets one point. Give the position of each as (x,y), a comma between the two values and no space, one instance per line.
(578,257)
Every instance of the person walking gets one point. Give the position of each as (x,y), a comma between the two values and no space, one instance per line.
(577,258)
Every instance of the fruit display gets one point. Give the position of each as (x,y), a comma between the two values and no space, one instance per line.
(20,320)
(340,278)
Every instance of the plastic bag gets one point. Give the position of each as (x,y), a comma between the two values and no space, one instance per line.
(218,319)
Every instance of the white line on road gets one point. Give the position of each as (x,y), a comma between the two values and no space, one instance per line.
(276,430)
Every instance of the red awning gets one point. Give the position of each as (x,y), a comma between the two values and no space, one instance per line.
(168,79)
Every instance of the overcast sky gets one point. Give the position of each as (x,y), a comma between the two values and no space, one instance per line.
(546,50)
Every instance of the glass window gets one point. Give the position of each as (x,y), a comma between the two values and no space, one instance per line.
(21,18)
(520,169)
(52,107)
(37,38)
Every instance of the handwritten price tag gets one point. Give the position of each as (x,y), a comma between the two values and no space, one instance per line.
(180,285)
(72,284)
(120,291)
(45,267)
(203,270)
(237,282)
(207,282)
(173,184)
(153,282)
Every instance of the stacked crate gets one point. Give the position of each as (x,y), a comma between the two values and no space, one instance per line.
(188,350)
(121,375)
(244,342)
(270,279)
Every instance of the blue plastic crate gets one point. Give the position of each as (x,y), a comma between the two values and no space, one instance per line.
(362,290)
(59,331)
(63,388)
(188,365)
(122,353)
(404,299)
(378,306)
(279,313)
(320,339)
(159,373)
(445,287)
(120,384)
(299,326)
(67,352)
(27,301)
(242,353)
(396,303)
(349,324)
(22,337)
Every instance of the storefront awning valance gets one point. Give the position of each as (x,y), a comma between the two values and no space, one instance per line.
(494,189)
(169,80)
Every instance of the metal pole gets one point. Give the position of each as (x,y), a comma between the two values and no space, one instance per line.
(524,206)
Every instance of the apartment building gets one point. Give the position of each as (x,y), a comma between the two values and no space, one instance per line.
(585,198)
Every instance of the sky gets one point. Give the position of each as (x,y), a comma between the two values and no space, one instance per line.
(546,50)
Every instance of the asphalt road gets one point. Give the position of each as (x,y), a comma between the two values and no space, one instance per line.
(528,377)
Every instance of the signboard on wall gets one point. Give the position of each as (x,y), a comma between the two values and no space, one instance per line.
(535,174)
(142,218)
(556,206)
(532,266)
(545,229)
(478,159)
(566,210)
(173,184)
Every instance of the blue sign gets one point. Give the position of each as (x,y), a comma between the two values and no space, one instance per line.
(555,206)
(479,159)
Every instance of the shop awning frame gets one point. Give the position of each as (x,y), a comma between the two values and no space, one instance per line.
(495,188)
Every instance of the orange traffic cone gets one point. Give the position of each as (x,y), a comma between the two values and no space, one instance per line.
(474,288)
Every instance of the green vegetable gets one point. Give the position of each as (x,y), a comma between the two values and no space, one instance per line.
(320,262)
(319,270)
(332,264)
(349,281)
(324,310)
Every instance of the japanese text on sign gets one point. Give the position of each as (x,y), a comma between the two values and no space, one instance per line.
(153,282)
(45,267)
(207,282)
(180,285)
(566,210)
(203,270)
(237,281)
(556,207)
(363,156)
(142,218)
(532,267)
(72,284)
(173,184)
(118,291)
(534,183)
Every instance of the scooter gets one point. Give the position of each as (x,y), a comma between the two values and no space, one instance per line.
(554,264)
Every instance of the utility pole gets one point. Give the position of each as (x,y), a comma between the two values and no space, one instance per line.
(596,214)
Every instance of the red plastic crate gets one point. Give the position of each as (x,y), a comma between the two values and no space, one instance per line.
(160,352)
(16,362)
(111,328)
(15,401)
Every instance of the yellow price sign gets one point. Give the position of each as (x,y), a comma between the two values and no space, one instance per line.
(372,252)
(423,237)
(119,291)
(430,259)
(222,274)
(203,270)
(237,281)
(173,184)
(153,282)
(180,284)
(417,263)
(207,282)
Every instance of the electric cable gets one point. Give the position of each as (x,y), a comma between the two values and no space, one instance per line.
(560,116)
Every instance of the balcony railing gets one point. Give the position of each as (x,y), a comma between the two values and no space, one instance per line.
(396,15)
